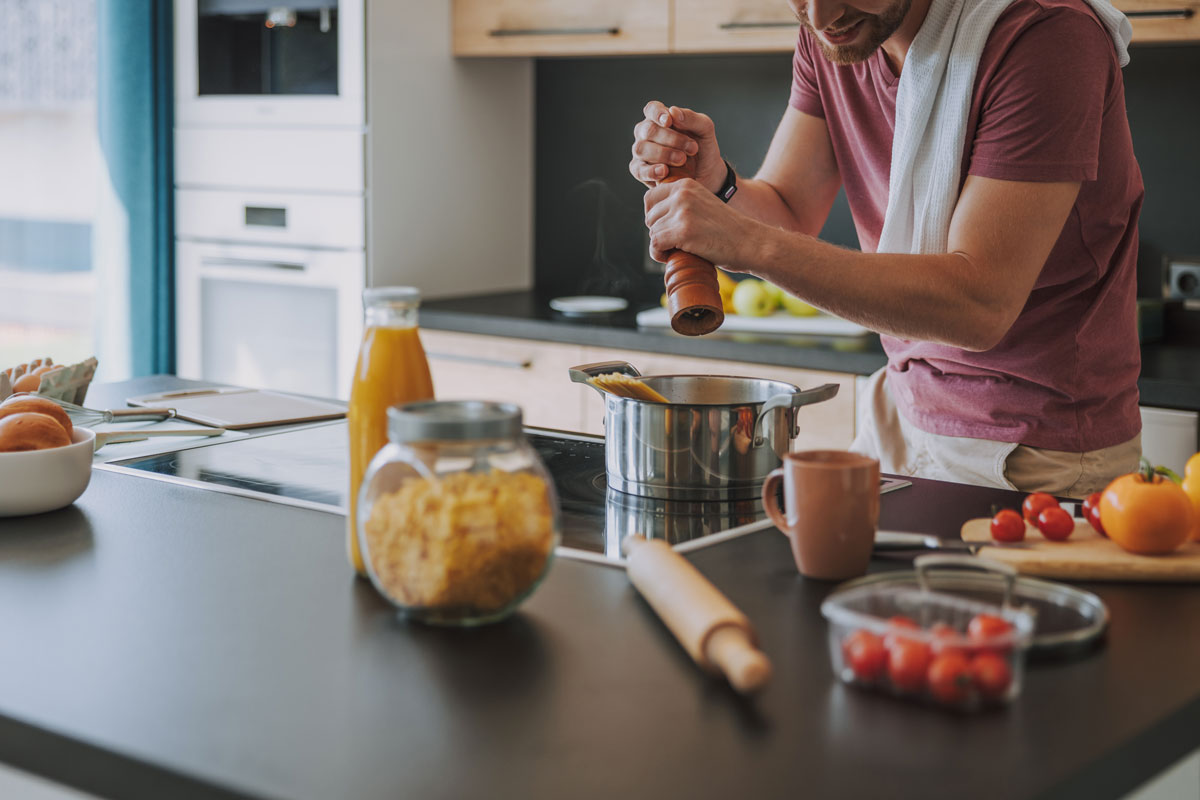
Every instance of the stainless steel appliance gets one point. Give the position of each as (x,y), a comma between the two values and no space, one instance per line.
(716,439)
(307,467)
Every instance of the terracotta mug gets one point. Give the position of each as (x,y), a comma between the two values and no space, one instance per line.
(832,508)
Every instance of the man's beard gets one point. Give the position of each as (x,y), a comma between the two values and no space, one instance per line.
(877,27)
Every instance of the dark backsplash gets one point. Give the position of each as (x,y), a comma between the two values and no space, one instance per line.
(589,233)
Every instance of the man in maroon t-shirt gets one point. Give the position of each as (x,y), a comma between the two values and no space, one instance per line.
(1013,356)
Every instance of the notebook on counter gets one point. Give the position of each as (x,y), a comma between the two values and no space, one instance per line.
(237,408)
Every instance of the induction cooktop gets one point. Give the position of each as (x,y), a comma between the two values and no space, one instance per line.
(307,467)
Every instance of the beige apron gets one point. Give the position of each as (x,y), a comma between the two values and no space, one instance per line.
(904,449)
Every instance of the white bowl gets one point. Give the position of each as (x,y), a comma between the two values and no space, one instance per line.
(33,481)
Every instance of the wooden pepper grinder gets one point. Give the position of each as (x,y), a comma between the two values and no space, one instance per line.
(693,295)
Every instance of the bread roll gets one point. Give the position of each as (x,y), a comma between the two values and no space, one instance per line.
(22,403)
(30,431)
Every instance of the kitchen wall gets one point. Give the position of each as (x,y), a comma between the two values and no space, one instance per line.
(589,235)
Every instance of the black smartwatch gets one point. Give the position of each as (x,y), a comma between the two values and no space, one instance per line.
(729,187)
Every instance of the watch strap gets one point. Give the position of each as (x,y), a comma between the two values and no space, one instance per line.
(729,187)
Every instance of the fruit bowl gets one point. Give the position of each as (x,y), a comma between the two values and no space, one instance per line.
(35,481)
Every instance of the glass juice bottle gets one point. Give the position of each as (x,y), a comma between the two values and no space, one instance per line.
(391,370)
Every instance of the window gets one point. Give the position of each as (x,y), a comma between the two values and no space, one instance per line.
(50,168)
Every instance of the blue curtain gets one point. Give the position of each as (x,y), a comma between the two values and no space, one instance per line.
(135,112)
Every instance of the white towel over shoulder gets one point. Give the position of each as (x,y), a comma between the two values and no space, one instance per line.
(932,103)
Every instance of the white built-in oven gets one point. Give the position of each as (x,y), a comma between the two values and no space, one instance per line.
(268,289)
(269,62)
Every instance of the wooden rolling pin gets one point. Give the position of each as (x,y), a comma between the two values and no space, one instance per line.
(693,294)
(716,635)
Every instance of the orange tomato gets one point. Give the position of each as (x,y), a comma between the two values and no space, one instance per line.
(1191,487)
(1148,516)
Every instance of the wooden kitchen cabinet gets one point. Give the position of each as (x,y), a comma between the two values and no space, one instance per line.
(823,425)
(560,27)
(1163,21)
(467,366)
(733,26)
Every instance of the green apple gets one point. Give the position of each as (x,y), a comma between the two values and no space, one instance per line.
(797,307)
(752,299)
(776,293)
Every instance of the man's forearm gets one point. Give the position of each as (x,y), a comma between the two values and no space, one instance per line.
(935,298)
(758,199)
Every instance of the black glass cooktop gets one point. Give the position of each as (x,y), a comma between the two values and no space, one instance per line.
(308,467)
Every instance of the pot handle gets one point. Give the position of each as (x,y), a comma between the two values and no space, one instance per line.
(794,400)
(585,372)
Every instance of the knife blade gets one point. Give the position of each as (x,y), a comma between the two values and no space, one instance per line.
(887,541)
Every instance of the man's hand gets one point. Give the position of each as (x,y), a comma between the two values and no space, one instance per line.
(685,215)
(667,137)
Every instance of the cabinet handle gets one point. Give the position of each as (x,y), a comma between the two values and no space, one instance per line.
(252,262)
(1166,13)
(481,361)
(598,31)
(738,26)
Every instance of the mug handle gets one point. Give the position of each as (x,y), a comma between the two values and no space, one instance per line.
(769,503)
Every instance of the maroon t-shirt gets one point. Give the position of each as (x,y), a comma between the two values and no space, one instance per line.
(1048,105)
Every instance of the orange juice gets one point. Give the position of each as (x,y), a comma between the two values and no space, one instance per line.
(391,370)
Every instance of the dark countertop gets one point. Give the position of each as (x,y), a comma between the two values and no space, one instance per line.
(164,641)
(1170,370)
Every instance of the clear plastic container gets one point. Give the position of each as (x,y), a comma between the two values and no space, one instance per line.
(945,660)
(457,516)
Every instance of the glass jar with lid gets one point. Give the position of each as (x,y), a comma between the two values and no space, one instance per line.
(457,516)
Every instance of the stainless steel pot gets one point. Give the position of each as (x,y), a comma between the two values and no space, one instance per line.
(716,439)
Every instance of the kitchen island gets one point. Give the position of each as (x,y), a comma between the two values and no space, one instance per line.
(164,641)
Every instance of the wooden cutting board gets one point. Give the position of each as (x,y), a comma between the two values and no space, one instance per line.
(1086,556)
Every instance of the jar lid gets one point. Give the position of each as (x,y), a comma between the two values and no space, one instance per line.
(453,420)
(391,294)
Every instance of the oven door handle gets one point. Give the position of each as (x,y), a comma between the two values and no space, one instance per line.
(254,263)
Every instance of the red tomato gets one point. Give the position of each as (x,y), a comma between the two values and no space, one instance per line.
(898,622)
(1091,512)
(950,678)
(1034,504)
(908,663)
(1056,524)
(946,640)
(865,654)
(1008,526)
(991,674)
(984,627)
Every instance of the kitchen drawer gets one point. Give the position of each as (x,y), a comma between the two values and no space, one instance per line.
(298,220)
(270,159)
(560,27)
(1162,21)
(824,425)
(741,26)
(531,374)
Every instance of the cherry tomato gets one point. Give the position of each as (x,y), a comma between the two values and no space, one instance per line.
(1056,524)
(908,663)
(985,627)
(1034,504)
(866,655)
(1091,512)
(991,674)
(946,640)
(898,622)
(950,678)
(1008,526)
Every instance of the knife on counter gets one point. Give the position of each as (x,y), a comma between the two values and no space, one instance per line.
(890,541)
